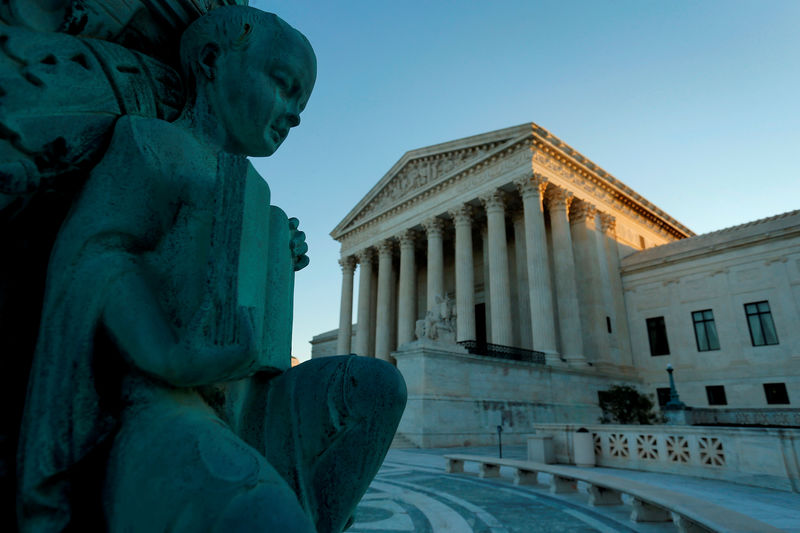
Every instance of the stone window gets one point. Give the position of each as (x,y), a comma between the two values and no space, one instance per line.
(657,335)
(705,330)
(776,393)
(663,396)
(716,395)
(759,320)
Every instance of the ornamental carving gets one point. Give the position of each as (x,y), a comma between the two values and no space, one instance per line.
(348,264)
(367,255)
(608,223)
(582,211)
(559,198)
(385,247)
(407,238)
(418,173)
(462,215)
(494,200)
(433,227)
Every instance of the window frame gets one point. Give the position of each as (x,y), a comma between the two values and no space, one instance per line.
(650,336)
(761,317)
(705,322)
(784,394)
(717,389)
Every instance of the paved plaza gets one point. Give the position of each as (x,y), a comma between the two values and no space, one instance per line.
(413,493)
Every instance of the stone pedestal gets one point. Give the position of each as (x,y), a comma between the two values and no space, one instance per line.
(540,449)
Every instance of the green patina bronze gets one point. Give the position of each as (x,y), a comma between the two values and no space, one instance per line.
(160,396)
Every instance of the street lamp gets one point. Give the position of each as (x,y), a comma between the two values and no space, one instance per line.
(674,400)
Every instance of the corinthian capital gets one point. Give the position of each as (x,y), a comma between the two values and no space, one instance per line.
(407,238)
(462,214)
(494,200)
(532,185)
(433,227)
(582,211)
(559,198)
(348,264)
(385,247)
(608,223)
(367,255)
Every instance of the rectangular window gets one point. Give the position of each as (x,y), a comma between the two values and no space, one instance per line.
(759,320)
(776,393)
(716,395)
(608,324)
(705,330)
(663,396)
(657,334)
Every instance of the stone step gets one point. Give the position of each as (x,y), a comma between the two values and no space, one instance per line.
(402,441)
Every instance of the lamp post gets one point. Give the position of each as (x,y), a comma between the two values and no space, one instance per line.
(674,400)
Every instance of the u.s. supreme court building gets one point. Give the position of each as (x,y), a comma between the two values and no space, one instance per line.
(563,281)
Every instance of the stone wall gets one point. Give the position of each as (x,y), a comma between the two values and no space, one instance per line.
(458,399)
(721,272)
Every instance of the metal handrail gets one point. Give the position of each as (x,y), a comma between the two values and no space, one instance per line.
(499,351)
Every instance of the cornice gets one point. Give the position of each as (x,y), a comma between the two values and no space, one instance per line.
(561,153)
(547,151)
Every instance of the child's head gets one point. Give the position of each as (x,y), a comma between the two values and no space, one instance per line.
(256,71)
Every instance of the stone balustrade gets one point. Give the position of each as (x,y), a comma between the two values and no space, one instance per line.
(764,457)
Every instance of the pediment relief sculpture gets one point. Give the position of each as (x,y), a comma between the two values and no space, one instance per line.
(419,173)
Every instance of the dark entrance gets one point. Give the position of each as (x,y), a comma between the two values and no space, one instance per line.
(480,327)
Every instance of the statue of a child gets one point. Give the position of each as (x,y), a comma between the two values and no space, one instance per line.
(160,398)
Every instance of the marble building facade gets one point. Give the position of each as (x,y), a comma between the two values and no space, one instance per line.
(540,249)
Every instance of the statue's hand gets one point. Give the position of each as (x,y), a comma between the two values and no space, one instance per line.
(297,244)
(223,351)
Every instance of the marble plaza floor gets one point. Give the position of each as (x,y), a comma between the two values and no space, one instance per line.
(413,493)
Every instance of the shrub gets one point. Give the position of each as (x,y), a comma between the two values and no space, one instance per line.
(623,404)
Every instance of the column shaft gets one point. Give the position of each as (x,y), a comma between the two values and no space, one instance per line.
(589,281)
(541,300)
(383,321)
(433,228)
(569,319)
(407,291)
(364,325)
(346,308)
(500,290)
(522,309)
(465,275)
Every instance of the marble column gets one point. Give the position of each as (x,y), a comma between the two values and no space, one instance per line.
(522,307)
(569,319)
(500,290)
(407,291)
(541,301)
(590,282)
(383,320)
(465,274)
(346,308)
(620,336)
(433,228)
(364,325)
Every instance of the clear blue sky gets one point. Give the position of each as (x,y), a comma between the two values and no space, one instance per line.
(693,104)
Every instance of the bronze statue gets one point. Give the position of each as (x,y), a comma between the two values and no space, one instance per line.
(160,395)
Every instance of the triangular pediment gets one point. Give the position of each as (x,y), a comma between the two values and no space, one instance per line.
(421,169)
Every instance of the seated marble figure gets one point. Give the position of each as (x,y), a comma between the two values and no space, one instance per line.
(161,397)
